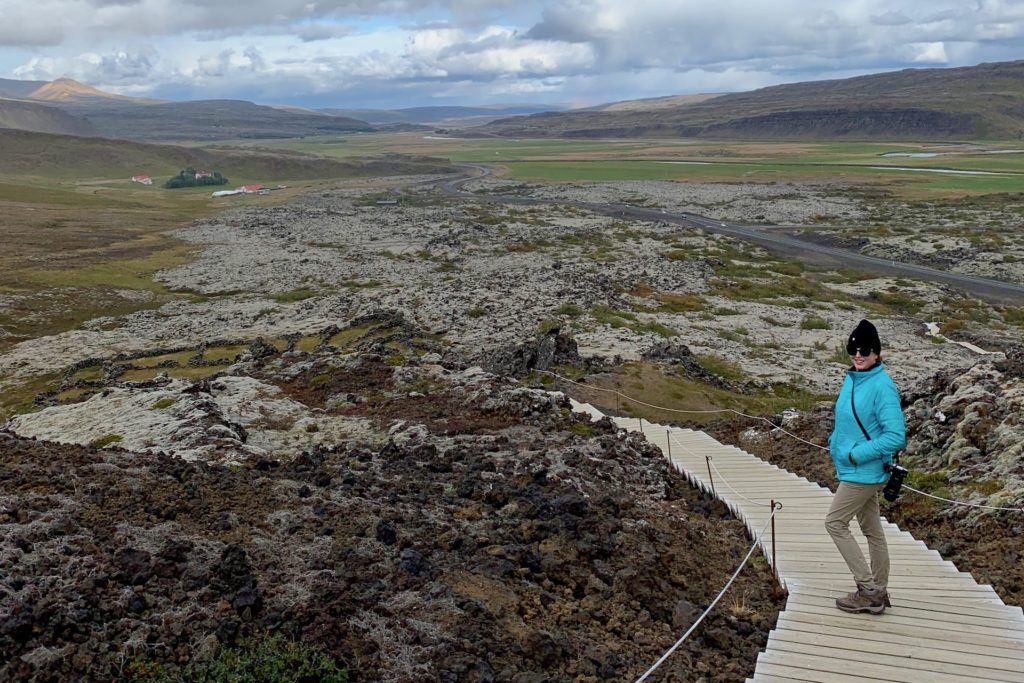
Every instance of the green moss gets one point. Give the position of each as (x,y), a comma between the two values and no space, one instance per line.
(294,295)
(349,336)
(268,659)
(935,482)
(319,380)
(308,343)
(18,396)
(584,429)
(898,301)
(91,373)
(813,322)
(985,487)
(656,328)
(361,284)
(225,354)
(546,325)
(603,313)
(104,441)
(476,312)
(177,358)
(570,310)
(680,303)
(165,402)
(721,367)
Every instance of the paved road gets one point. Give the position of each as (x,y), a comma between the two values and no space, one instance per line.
(995,290)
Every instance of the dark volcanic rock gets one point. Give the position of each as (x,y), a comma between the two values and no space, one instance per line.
(487,540)
(551,348)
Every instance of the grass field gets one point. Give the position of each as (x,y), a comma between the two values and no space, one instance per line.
(710,161)
(80,249)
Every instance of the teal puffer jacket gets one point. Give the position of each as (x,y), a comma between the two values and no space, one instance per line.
(878,407)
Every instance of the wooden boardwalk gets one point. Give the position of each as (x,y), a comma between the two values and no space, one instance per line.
(943,626)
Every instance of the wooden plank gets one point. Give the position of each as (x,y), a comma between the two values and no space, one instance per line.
(767,678)
(772,667)
(887,625)
(839,667)
(921,602)
(878,638)
(911,658)
(935,614)
(834,563)
(795,568)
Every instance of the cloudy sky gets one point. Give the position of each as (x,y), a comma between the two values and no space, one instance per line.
(395,53)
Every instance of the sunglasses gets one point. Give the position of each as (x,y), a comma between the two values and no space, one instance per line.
(862,351)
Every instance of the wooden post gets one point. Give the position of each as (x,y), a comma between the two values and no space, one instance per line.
(775,567)
(641,425)
(668,441)
(707,459)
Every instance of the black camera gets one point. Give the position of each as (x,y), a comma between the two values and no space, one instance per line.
(896,476)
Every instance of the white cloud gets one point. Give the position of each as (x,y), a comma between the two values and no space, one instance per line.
(931,53)
(425,49)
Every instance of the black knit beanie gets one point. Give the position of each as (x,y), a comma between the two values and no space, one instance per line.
(864,337)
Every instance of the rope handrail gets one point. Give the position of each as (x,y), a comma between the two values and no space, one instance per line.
(722,477)
(711,462)
(965,504)
(714,602)
(678,410)
(774,426)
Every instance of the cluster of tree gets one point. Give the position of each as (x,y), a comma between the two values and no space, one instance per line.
(190,177)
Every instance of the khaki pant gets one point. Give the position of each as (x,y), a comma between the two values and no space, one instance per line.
(860,501)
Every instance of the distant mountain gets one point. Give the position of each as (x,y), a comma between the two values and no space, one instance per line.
(17,90)
(40,118)
(65,156)
(85,110)
(978,102)
(449,116)
(68,90)
(655,103)
(204,120)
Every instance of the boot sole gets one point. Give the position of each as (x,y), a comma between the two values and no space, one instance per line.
(858,610)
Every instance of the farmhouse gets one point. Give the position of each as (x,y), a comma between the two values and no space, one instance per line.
(143,179)
(252,189)
(203,174)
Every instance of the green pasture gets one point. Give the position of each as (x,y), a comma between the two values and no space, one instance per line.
(563,160)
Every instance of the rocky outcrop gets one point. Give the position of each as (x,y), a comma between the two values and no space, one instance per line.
(545,351)
(968,426)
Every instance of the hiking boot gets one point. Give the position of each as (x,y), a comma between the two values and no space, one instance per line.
(864,600)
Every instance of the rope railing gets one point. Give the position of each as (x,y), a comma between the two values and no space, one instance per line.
(693,627)
(774,426)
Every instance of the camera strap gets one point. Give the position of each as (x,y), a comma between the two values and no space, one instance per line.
(853,405)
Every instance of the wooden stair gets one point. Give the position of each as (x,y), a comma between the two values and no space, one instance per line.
(943,626)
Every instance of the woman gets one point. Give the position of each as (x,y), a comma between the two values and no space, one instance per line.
(869,430)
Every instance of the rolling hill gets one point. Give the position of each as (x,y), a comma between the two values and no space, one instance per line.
(14,89)
(84,110)
(204,120)
(40,118)
(69,157)
(978,102)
